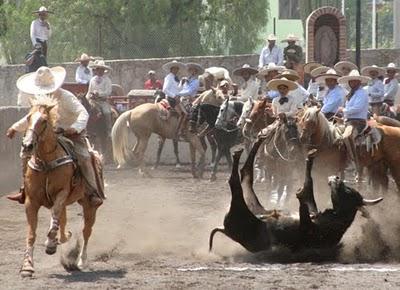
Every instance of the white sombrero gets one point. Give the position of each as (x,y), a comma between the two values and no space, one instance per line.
(365,71)
(309,66)
(44,81)
(245,67)
(354,75)
(290,37)
(270,67)
(341,65)
(289,74)
(167,66)
(84,57)
(392,66)
(42,9)
(275,83)
(223,83)
(330,74)
(99,64)
(319,71)
(271,37)
(195,66)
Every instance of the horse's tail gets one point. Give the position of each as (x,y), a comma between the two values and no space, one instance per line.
(120,140)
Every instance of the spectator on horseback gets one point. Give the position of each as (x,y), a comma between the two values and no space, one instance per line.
(284,103)
(355,111)
(152,83)
(100,88)
(40,29)
(72,119)
(83,73)
(334,97)
(35,59)
(171,81)
(271,53)
(250,86)
(268,73)
(375,87)
(391,84)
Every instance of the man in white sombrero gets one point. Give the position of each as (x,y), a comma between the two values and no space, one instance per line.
(83,73)
(375,87)
(171,81)
(100,88)
(355,112)
(46,83)
(300,95)
(268,73)
(40,29)
(316,89)
(335,95)
(284,104)
(391,84)
(249,88)
(344,67)
(271,53)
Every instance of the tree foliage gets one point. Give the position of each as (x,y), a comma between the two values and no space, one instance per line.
(136,28)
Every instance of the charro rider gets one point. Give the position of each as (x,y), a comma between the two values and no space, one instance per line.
(83,73)
(375,87)
(100,88)
(391,84)
(72,120)
(269,72)
(171,81)
(250,86)
(355,111)
(285,103)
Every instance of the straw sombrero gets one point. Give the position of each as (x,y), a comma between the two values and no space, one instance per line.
(290,37)
(270,67)
(42,9)
(99,64)
(44,81)
(309,66)
(275,83)
(319,71)
(365,71)
(344,65)
(330,74)
(392,66)
(167,66)
(245,67)
(354,75)
(84,57)
(199,69)
(289,74)
(271,37)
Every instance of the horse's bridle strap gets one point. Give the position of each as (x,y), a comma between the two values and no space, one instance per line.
(48,166)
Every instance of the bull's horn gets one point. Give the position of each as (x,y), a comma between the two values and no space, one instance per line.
(372,201)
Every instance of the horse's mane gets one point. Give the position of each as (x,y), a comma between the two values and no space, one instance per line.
(44,101)
(315,115)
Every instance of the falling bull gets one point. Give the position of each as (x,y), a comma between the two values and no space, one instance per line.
(258,229)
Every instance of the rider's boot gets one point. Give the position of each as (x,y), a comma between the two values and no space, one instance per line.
(20,196)
(92,191)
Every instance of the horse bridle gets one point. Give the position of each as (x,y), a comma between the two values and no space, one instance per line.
(232,122)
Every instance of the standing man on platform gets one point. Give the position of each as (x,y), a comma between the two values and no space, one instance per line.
(40,29)
(271,53)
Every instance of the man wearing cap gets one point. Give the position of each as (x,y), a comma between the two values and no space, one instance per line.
(250,86)
(375,87)
(40,29)
(152,83)
(292,54)
(72,121)
(271,53)
(391,84)
(100,88)
(334,97)
(83,73)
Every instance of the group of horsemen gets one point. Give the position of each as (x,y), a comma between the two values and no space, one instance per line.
(341,91)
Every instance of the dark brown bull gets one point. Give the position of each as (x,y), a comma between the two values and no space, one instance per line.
(257,229)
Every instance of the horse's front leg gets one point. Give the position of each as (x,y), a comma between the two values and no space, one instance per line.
(56,212)
(176,151)
(64,235)
(31,211)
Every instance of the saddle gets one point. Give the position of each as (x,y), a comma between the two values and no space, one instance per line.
(370,137)
(164,108)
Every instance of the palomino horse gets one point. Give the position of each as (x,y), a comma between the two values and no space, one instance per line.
(143,121)
(53,184)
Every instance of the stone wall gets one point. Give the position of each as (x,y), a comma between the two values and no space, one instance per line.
(131,73)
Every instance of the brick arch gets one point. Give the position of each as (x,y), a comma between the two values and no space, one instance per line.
(311,30)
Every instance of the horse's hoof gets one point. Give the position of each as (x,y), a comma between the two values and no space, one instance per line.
(51,250)
(26,273)
(66,238)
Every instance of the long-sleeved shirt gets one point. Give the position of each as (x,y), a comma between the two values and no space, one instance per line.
(249,89)
(83,74)
(171,85)
(333,99)
(190,88)
(39,31)
(390,87)
(289,107)
(270,56)
(102,85)
(375,91)
(70,113)
(300,96)
(357,106)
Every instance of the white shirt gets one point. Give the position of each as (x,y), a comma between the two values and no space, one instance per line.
(267,56)
(390,89)
(81,75)
(102,85)
(289,108)
(171,86)
(70,112)
(39,31)
(299,96)
(375,91)
(249,89)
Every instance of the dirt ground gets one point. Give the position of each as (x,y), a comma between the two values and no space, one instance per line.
(153,234)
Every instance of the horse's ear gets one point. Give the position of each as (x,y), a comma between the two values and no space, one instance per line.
(49,108)
(283,118)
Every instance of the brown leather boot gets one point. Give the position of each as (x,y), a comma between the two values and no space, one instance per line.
(20,196)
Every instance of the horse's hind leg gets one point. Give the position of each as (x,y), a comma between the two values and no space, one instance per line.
(215,168)
(89,216)
(31,211)
(161,142)
(213,145)
(176,151)
(141,151)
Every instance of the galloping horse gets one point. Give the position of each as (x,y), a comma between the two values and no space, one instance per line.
(53,183)
(143,121)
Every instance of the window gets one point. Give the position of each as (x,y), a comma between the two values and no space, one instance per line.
(289,9)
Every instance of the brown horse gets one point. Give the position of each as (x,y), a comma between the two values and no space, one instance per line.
(53,184)
(143,121)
